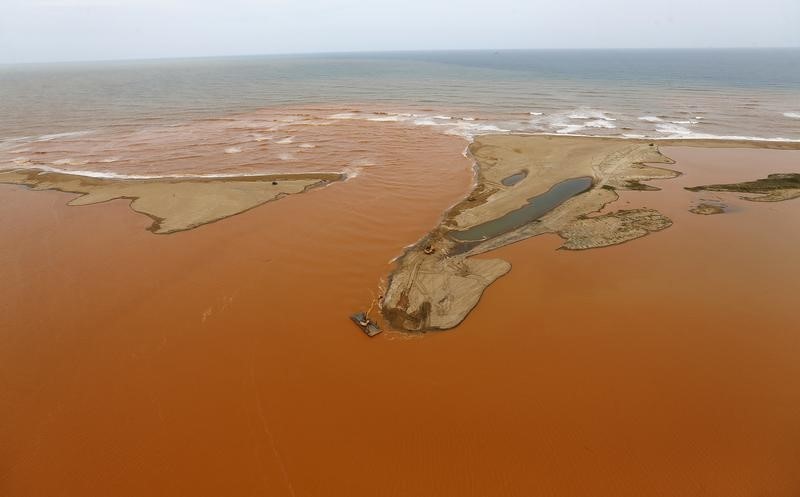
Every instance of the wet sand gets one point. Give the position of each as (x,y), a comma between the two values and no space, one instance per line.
(220,361)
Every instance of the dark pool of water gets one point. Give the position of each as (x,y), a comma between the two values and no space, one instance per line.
(514,178)
(537,207)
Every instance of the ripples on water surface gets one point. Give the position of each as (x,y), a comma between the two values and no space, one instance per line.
(256,114)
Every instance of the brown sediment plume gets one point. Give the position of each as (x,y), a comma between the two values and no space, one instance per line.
(174,204)
(221,361)
(429,291)
(774,188)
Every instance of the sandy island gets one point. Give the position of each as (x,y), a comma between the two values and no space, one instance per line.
(528,185)
(175,204)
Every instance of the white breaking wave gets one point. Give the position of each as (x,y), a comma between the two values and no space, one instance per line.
(55,136)
(650,119)
(344,115)
(469,130)
(112,175)
(233,150)
(390,118)
(590,114)
(792,115)
(676,131)
(426,121)
(569,129)
(285,141)
(600,124)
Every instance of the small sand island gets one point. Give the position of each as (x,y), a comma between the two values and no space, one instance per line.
(707,209)
(174,204)
(528,185)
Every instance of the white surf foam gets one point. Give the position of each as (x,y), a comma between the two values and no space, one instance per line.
(233,150)
(55,136)
(676,131)
(470,130)
(389,118)
(69,162)
(568,129)
(344,115)
(41,168)
(599,123)
(426,121)
(792,115)
(351,172)
(650,119)
(584,113)
(285,141)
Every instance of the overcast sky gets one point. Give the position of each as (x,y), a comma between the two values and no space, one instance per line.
(61,30)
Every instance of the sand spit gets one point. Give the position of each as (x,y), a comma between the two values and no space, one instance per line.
(774,188)
(174,204)
(437,281)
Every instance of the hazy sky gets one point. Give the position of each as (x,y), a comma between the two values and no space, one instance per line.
(59,30)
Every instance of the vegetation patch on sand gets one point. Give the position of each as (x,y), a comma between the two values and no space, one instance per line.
(174,204)
(774,188)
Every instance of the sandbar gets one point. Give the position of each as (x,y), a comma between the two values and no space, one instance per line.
(174,204)
(438,281)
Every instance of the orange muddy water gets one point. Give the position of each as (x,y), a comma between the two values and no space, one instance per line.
(220,361)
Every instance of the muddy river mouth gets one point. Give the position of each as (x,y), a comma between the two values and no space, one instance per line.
(220,360)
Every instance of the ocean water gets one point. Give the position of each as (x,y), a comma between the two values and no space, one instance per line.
(97,114)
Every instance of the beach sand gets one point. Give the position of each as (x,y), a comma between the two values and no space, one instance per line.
(220,360)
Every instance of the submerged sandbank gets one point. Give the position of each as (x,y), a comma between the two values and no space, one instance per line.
(437,281)
(174,204)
